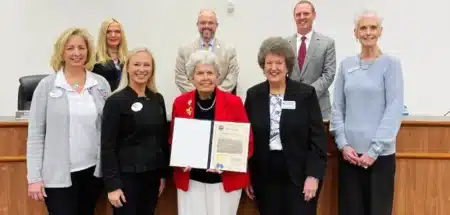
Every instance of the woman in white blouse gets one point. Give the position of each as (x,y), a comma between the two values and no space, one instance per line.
(64,129)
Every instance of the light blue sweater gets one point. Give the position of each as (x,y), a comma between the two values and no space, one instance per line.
(368,105)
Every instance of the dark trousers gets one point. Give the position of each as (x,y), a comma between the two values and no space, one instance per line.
(78,199)
(367,191)
(141,193)
(276,194)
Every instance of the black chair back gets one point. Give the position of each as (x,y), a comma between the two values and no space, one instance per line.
(26,89)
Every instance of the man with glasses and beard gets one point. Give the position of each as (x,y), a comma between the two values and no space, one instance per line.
(229,68)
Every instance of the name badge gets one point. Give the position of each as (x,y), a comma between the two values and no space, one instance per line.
(56,93)
(288,105)
(137,106)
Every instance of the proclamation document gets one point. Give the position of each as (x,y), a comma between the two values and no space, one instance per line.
(206,144)
(230,146)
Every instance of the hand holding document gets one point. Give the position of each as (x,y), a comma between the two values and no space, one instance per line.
(206,144)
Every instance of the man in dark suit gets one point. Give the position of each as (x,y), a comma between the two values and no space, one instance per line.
(315,62)
(289,158)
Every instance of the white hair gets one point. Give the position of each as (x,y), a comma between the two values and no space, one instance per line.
(201,57)
(367,14)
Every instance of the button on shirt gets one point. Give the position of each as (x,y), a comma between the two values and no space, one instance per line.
(84,140)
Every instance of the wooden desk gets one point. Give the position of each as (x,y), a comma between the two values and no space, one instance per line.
(423,171)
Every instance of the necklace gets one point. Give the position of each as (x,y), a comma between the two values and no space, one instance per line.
(366,66)
(76,86)
(209,108)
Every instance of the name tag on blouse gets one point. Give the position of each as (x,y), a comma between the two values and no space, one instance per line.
(290,105)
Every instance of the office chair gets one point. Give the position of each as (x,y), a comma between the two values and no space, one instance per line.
(26,89)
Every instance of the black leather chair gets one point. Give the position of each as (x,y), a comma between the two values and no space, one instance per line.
(26,89)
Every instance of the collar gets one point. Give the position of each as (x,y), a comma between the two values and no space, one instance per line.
(308,35)
(133,93)
(210,44)
(197,96)
(61,81)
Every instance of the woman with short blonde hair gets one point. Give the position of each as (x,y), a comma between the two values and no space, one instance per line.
(63,144)
(111,52)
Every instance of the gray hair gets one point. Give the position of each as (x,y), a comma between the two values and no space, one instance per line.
(201,57)
(278,46)
(368,13)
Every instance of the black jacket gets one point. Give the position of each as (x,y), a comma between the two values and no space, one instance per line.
(109,71)
(134,136)
(302,132)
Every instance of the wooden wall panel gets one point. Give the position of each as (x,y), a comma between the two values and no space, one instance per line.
(423,171)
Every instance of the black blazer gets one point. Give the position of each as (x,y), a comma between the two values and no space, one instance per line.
(109,71)
(134,136)
(302,132)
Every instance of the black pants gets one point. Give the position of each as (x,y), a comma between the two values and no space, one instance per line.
(78,199)
(367,191)
(276,194)
(141,193)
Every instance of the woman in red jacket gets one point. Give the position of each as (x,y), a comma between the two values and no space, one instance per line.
(208,192)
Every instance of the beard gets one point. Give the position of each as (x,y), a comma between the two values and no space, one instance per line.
(207,33)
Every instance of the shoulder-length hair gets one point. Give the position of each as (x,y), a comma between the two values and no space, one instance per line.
(57,59)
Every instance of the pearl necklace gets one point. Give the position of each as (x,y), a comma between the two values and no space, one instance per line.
(209,108)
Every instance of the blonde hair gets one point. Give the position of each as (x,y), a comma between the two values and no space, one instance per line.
(124,77)
(57,59)
(102,44)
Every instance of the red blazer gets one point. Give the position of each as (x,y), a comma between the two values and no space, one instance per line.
(228,108)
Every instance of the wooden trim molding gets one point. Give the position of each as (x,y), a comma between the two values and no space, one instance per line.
(423,155)
(13,124)
(399,155)
(12,158)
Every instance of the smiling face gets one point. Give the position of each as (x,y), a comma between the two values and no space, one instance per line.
(75,51)
(140,68)
(113,35)
(368,30)
(207,25)
(205,78)
(304,16)
(275,68)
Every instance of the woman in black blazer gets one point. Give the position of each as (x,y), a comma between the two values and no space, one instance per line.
(290,156)
(135,133)
(111,52)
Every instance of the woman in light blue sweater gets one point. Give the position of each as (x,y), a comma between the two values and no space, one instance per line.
(366,116)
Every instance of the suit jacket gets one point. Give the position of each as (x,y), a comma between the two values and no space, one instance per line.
(318,69)
(109,71)
(302,132)
(228,108)
(226,54)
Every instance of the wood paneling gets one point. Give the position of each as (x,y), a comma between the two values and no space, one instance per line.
(423,170)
